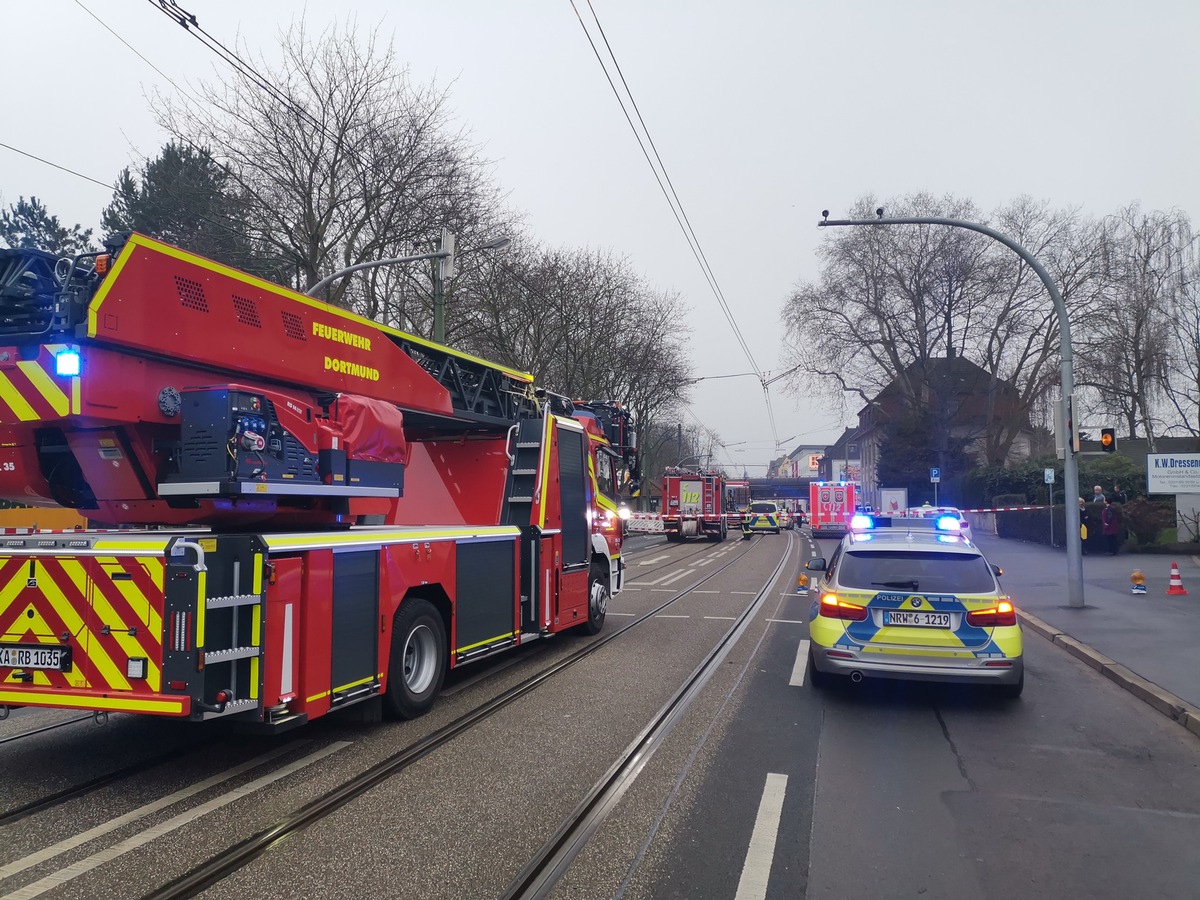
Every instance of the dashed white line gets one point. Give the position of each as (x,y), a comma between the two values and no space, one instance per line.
(75,869)
(756,870)
(665,616)
(684,574)
(800,666)
(611,613)
(787,621)
(724,618)
(747,593)
(650,562)
(706,592)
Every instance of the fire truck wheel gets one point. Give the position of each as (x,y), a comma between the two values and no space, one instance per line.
(418,660)
(598,597)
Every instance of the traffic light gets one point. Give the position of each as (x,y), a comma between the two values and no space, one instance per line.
(1108,440)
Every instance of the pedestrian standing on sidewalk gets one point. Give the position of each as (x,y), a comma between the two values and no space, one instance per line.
(1118,495)
(1110,525)
(1086,526)
(1097,494)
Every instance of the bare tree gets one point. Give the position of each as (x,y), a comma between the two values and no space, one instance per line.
(1133,330)
(357,164)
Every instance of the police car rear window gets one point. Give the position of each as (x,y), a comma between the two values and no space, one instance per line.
(901,570)
(762,507)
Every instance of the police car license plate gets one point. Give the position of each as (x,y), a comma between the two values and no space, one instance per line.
(19,656)
(920,619)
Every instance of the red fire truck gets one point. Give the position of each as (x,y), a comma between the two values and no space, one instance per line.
(831,505)
(693,505)
(307,509)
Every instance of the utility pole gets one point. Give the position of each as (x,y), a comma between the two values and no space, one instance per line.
(443,268)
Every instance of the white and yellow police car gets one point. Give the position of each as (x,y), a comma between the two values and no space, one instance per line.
(912,599)
(763,515)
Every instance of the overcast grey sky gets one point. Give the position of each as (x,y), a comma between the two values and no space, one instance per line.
(764,113)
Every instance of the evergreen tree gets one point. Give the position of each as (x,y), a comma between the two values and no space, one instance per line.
(27,224)
(183,197)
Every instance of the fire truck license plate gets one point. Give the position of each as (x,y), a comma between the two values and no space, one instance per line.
(33,657)
(923,619)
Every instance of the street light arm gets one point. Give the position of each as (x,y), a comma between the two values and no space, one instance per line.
(325,282)
(1070,463)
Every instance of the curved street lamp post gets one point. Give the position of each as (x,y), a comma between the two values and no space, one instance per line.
(1070,463)
(443,269)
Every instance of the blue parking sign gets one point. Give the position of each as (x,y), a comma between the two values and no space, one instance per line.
(935,475)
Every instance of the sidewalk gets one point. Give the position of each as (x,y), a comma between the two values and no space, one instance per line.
(1153,635)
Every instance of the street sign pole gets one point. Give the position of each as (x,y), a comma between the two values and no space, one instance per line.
(935,476)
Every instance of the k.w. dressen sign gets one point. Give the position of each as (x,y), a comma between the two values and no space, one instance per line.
(1173,473)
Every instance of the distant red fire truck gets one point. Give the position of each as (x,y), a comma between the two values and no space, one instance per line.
(694,505)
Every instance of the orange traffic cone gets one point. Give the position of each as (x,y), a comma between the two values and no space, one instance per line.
(1176,585)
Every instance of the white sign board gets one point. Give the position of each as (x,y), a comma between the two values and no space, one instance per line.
(893,500)
(1173,473)
(1048,476)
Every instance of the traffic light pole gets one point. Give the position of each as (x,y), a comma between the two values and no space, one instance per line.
(1070,462)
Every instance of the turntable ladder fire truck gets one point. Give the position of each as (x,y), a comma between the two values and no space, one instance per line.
(693,504)
(305,509)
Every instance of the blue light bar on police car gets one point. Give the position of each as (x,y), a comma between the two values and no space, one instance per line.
(860,522)
(67,363)
(947,523)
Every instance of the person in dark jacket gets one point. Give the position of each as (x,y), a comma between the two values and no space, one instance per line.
(1110,526)
(1118,495)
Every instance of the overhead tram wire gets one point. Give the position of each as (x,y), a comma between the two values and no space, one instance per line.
(57,166)
(188,21)
(676,207)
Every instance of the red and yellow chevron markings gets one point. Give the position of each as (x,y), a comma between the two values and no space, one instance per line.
(31,392)
(109,608)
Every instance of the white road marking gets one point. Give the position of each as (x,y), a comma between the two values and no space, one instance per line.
(724,618)
(650,562)
(757,869)
(800,666)
(653,590)
(665,616)
(748,593)
(684,574)
(628,588)
(611,613)
(706,592)
(787,621)
(141,812)
(655,581)
(54,879)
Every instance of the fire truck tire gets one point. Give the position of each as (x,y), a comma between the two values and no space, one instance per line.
(598,597)
(418,659)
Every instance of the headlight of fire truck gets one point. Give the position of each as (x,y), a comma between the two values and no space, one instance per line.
(624,511)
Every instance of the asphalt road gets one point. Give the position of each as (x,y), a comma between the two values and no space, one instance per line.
(765,788)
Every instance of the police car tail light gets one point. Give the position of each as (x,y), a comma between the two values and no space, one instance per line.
(832,607)
(1001,614)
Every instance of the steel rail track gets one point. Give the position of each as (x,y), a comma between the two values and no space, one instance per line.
(232,859)
(25,810)
(552,860)
(32,731)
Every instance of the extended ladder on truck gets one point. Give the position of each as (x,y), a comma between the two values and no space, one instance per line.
(152,387)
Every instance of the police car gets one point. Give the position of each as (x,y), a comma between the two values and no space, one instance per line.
(911,598)
(763,515)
